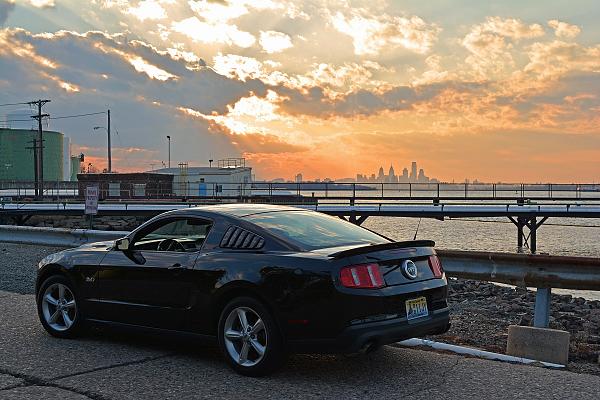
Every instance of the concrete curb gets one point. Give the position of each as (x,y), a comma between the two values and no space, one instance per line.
(475,352)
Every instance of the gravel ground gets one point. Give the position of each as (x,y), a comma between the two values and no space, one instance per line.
(18,265)
(481,312)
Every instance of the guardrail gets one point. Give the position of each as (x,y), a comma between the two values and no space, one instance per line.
(59,237)
(525,270)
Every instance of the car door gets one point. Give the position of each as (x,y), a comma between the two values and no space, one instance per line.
(150,283)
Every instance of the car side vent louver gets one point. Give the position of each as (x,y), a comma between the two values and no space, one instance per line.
(238,238)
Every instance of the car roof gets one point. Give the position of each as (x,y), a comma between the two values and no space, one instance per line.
(241,210)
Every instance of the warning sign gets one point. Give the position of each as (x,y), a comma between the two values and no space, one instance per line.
(91,200)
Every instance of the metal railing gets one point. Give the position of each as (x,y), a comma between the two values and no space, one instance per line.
(525,270)
(280,191)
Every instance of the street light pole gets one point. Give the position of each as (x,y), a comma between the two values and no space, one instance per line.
(109,169)
(109,155)
(169,138)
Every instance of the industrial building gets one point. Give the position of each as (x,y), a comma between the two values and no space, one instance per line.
(230,177)
(142,185)
(17,155)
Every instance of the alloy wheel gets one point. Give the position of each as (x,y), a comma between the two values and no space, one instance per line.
(245,336)
(59,307)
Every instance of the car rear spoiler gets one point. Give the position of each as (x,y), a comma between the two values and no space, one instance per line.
(380,247)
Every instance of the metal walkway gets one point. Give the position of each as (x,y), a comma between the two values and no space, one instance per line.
(440,211)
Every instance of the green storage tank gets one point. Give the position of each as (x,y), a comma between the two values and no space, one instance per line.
(75,167)
(16,155)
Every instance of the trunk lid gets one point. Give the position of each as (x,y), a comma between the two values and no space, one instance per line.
(391,258)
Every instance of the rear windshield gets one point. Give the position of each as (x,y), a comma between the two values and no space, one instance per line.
(313,230)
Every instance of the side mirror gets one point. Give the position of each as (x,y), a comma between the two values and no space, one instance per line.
(122,244)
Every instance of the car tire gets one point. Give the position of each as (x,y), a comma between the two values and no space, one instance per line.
(59,308)
(249,338)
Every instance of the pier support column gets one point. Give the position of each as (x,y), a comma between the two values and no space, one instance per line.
(533,235)
(532,224)
(520,225)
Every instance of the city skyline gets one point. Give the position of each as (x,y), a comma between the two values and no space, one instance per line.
(416,175)
(505,91)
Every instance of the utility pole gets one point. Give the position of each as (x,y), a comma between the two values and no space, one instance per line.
(109,156)
(40,153)
(35,164)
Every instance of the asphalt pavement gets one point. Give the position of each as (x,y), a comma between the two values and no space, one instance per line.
(109,364)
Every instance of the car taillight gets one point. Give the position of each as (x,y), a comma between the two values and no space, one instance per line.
(363,276)
(436,266)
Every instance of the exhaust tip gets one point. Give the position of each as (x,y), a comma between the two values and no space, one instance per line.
(369,347)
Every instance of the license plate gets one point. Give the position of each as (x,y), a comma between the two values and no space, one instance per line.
(416,308)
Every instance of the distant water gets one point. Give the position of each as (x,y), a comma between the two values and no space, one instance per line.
(558,236)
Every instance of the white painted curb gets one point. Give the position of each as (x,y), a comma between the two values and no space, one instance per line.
(474,352)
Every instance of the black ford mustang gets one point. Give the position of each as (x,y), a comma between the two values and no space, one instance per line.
(263,280)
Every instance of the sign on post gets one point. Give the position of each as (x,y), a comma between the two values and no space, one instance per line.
(91,200)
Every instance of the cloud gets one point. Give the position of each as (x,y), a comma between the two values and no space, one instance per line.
(250,143)
(564,29)
(152,71)
(490,52)
(549,60)
(228,10)
(250,114)
(6,7)
(216,32)
(148,10)
(314,101)
(221,11)
(236,66)
(275,42)
(434,73)
(42,3)
(372,33)
(512,28)
(246,138)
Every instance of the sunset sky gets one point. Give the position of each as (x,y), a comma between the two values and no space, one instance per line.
(495,91)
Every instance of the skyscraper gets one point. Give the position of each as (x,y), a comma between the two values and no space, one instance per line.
(413,172)
(392,175)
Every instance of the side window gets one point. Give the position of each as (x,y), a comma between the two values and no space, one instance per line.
(185,234)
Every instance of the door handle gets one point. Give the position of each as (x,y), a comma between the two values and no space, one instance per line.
(174,267)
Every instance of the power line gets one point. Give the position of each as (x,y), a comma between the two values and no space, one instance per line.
(13,104)
(78,115)
(60,117)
